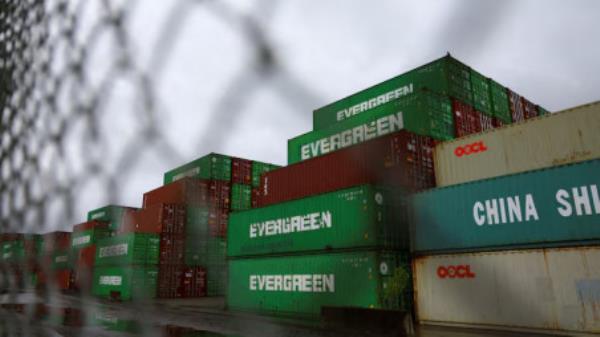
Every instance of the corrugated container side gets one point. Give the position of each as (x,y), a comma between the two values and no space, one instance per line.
(481,93)
(191,191)
(258,168)
(302,284)
(111,214)
(446,76)
(550,207)
(500,103)
(516,106)
(362,216)
(128,249)
(402,159)
(125,283)
(529,109)
(212,166)
(241,171)
(550,289)
(423,113)
(466,119)
(560,138)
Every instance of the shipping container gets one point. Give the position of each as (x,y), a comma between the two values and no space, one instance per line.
(89,237)
(156,219)
(402,159)
(466,119)
(487,122)
(90,225)
(112,214)
(362,216)
(190,191)
(516,106)
(529,109)
(83,264)
(55,241)
(62,260)
(541,111)
(258,168)
(241,171)
(423,113)
(561,138)
(125,283)
(551,289)
(555,206)
(445,76)
(172,250)
(213,166)
(241,197)
(500,103)
(302,284)
(480,86)
(128,249)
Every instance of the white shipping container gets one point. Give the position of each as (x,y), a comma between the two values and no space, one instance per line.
(549,289)
(564,137)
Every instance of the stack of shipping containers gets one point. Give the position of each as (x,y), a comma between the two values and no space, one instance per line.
(57,260)
(19,260)
(371,149)
(83,249)
(510,237)
(190,212)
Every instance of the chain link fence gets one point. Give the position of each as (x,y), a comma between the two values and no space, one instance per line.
(82,107)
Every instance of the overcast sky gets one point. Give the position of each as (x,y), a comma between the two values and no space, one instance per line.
(546,50)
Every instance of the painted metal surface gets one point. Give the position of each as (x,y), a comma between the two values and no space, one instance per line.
(302,284)
(446,76)
(555,206)
(554,289)
(125,283)
(128,249)
(212,166)
(362,216)
(561,138)
(111,214)
(424,113)
(402,159)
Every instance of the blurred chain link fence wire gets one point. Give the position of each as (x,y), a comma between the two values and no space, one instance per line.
(54,98)
(57,74)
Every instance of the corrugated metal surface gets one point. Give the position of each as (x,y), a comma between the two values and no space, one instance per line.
(557,289)
(446,76)
(560,138)
(301,284)
(125,283)
(212,166)
(401,159)
(466,119)
(549,206)
(127,249)
(480,86)
(362,216)
(423,113)
(191,191)
(111,214)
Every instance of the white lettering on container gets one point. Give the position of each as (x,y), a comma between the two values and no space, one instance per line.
(300,223)
(314,283)
(111,280)
(374,102)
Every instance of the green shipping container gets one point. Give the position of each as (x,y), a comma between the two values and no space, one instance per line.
(482,101)
(549,207)
(88,237)
(259,168)
(302,284)
(111,214)
(128,249)
(212,166)
(500,103)
(13,251)
(541,111)
(62,260)
(424,113)
(446,76)
(125,283)
(362,216)
(241,197)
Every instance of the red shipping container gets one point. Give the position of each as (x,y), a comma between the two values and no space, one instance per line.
(172,250)
(467,120)
(84,226)
(529,109)
(190,191)
(84,264)
(497,122)
(241,171)
(158,218)
(516,106)
(62,279)
(193,282)
(402,159)
(55,241)
(169,281)
(487,122)
(255,200)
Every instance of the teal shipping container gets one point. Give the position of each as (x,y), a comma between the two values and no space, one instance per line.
(362,216)
(558,206)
